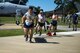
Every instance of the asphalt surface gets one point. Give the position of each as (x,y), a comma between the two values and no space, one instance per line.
(64,42)
(41,44)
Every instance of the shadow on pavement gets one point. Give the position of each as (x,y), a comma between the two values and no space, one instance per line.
(42,40)
(1,24)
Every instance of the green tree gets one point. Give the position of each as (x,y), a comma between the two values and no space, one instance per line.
(37,10)
(58,2)
(68,5)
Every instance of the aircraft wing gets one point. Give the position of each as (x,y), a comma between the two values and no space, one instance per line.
(21,2)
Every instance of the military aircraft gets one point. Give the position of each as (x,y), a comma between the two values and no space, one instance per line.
(9,8)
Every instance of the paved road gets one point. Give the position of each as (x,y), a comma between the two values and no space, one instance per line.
(62,43)
(9,26)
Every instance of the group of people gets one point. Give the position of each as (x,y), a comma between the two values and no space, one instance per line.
(28,22)
(72,19)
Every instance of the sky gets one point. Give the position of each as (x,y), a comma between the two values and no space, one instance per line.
(46,5)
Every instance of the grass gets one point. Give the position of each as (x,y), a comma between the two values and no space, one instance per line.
(4,20)
(65,24)
(15,32)
(11,20)
(8,20)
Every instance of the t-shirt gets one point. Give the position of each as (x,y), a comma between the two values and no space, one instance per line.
(68,16)
(41,18)
(54,17)
(29,18)
(75,17)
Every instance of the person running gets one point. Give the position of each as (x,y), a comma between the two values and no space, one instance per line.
(75,21)
(41,21)
(28,23)
(68,19)
(18,15)
(54,23)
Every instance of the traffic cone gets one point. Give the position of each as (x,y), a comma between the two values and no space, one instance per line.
(49,34)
